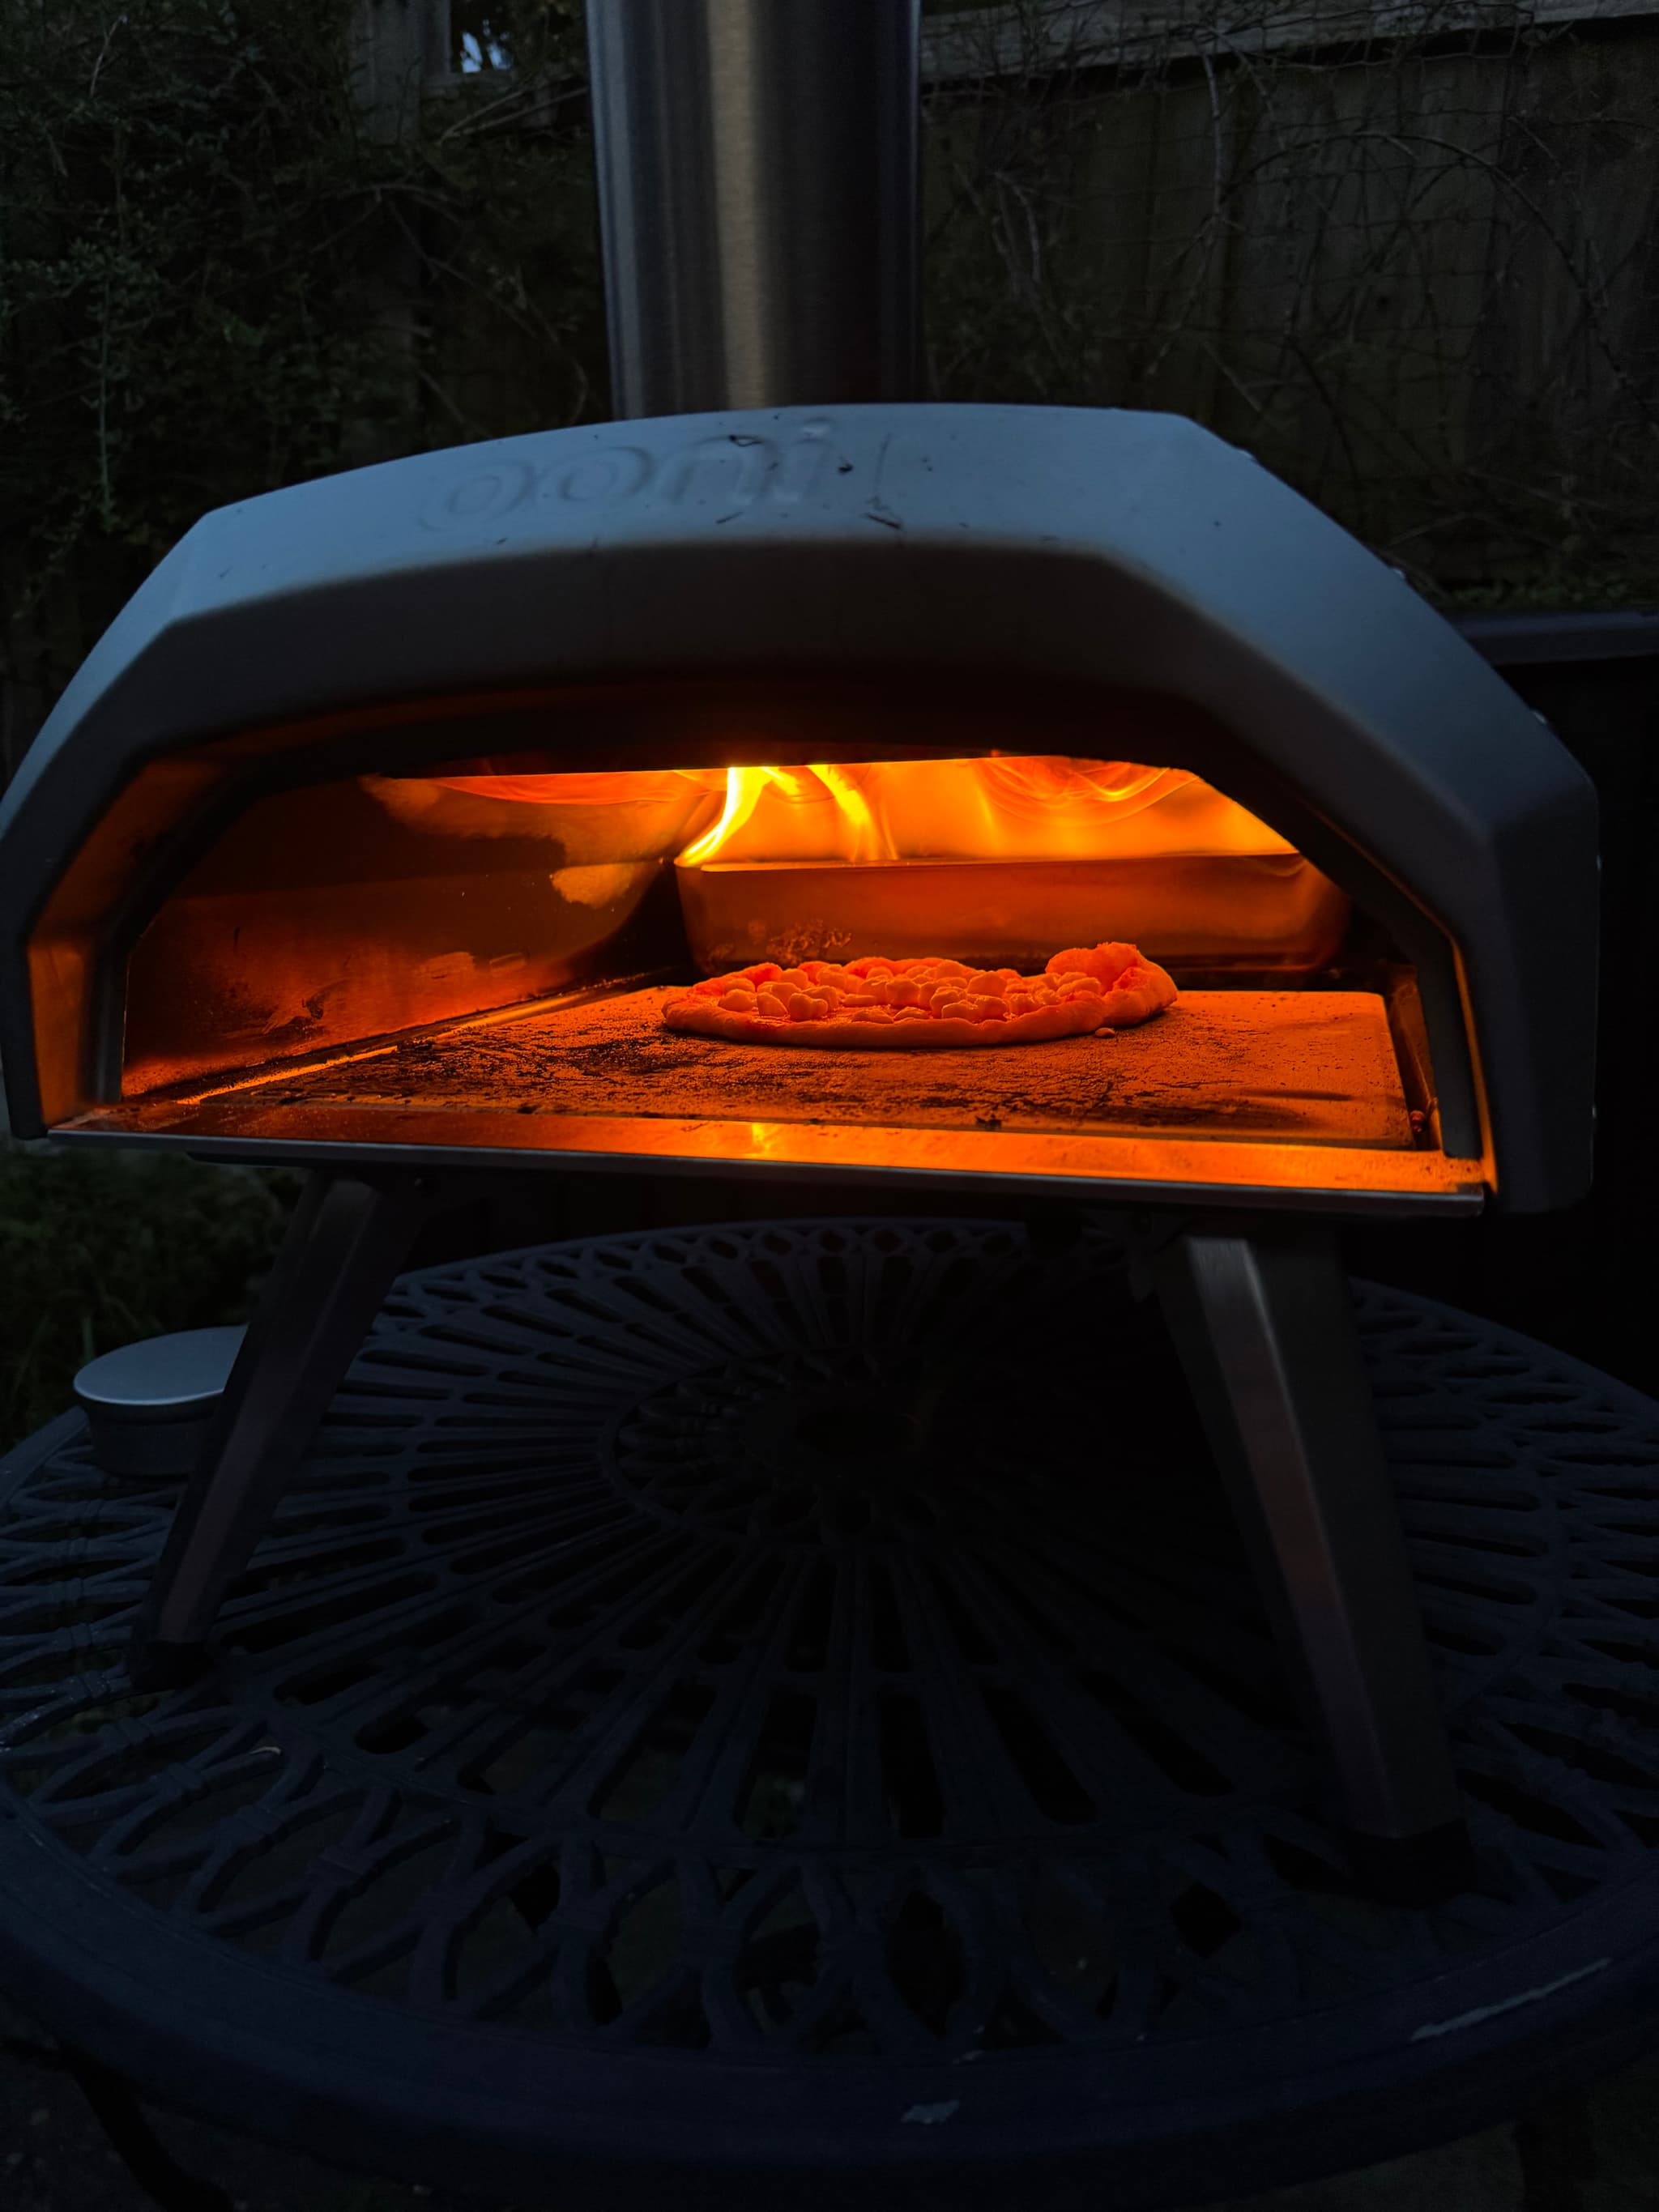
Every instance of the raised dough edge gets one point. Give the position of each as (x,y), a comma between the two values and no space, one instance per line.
(707,1017)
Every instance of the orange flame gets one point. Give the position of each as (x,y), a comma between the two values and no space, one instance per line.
(806,814)
(1025,807)
(1032,808)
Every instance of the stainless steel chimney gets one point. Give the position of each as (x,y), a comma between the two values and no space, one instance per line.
(758,201)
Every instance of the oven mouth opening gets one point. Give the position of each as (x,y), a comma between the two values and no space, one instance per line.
(480,956)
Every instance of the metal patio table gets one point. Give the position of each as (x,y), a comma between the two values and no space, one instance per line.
(782,1706)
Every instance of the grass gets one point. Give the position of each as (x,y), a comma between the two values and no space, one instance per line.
(98,1250)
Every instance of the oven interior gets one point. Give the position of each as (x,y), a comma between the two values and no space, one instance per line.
(482,912)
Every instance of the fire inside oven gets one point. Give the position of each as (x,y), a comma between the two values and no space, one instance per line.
(477,950)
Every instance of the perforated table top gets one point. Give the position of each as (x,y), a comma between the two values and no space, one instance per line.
(782,1707)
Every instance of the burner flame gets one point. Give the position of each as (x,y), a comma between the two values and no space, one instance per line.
(1034,807)
(1022,807)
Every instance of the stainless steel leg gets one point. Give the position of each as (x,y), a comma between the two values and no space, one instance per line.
(346,1240)
(1263,1322)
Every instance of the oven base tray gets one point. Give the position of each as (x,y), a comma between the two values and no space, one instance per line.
(1259,1097)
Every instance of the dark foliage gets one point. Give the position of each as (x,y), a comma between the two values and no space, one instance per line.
(222,271)
(97,1251)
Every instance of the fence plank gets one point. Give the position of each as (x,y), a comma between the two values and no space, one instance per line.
(1030,38)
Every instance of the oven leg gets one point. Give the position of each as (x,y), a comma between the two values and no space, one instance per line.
(346,1242)
(1263,1321)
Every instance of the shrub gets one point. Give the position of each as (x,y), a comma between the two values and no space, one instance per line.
(97,1250)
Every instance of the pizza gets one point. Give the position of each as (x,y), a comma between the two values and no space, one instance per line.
(884,1004)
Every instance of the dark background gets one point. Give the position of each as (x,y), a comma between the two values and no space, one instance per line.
(1580,1279)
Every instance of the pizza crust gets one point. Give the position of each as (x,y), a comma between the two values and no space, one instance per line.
(877,1004)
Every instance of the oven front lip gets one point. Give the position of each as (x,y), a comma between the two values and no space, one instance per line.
(806,1153)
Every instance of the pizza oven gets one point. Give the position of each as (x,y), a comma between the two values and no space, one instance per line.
(388,812)
(378,828)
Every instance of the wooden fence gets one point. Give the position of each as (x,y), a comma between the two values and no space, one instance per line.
(1404,250)
(1405,254)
